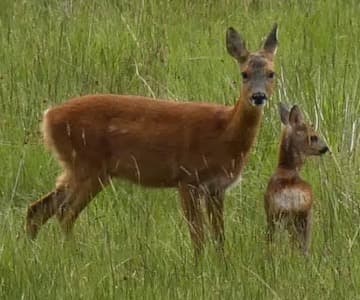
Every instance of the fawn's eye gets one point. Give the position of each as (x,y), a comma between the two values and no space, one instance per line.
(245,75)
(313,138)
(271,75)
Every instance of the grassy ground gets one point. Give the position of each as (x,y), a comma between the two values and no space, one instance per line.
(131,243)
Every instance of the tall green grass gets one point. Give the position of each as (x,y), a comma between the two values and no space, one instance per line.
(131,243)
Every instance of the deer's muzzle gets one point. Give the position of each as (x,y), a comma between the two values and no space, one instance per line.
(258,99)
(324,150)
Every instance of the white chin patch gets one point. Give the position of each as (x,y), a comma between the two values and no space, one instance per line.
(257,103)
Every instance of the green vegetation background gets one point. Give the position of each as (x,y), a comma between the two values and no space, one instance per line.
(131,243)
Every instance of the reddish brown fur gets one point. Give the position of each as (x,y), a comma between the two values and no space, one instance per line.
(198,148)
(289,198)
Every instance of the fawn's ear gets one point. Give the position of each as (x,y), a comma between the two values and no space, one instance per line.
(235,45)
(296,117)
(271,42)
(284,113)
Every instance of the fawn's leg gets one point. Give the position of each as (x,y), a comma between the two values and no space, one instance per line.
(303,230)
(307,233)
(79,198)
(42,210)
(215,208)
(270,229)
(190,202)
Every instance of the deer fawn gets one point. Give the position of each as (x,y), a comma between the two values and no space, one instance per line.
(198,148)
(288,197)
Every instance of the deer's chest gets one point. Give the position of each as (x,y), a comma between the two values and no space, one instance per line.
(291,200)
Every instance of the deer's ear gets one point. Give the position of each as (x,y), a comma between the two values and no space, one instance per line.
(271,42)
(296,117)
(284,113)
(235,45)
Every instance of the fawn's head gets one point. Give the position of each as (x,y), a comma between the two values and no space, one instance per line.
(257,68)
(299,136)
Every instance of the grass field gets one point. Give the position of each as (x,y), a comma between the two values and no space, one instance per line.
(131,243)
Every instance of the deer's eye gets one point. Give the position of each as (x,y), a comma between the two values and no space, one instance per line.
(271,75)
(313,138)
(245,75)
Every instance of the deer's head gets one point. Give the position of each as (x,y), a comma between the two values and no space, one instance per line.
(257,68)
(299,136)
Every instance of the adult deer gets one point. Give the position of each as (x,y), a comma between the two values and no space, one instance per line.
(198,148)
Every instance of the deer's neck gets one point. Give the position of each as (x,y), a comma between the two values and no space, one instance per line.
(244,127)
(289,157)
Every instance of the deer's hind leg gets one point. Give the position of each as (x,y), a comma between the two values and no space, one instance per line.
(40,211)
(77,199)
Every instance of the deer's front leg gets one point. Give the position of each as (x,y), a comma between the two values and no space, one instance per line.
(307,233)
(215,208)
(303,228)
(190,202)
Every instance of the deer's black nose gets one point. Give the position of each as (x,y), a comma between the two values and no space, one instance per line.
(258,98)
(324,150)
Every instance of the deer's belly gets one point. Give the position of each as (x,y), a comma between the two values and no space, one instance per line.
(223,181)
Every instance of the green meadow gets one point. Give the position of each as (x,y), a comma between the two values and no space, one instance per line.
(132,242)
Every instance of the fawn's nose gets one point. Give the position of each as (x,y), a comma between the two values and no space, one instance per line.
(324,150)
(258,99)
